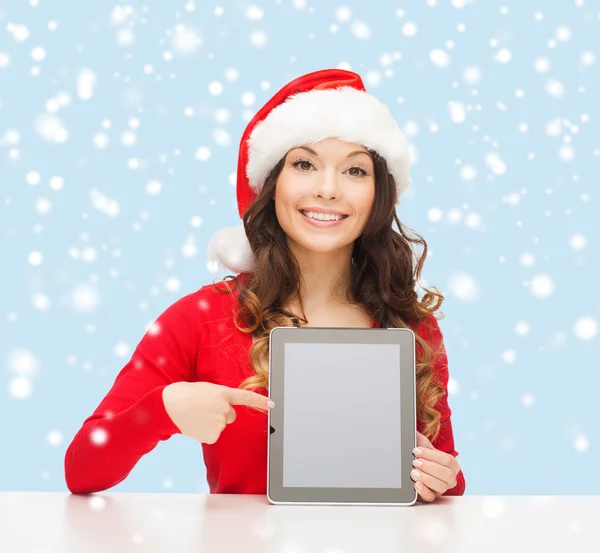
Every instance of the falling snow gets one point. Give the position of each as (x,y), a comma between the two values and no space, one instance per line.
(118,161)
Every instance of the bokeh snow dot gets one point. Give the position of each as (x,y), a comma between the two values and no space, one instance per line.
(153,187)
(43,206)
(527,259)
(464,287)
(89,255)
(101,140)
(51,128)
(495,162)
(41,301)
(503,55)
(4,60)
(457,111)
(54,438)
(189,250)
(23,363)
(581,444)
(522,328)
(203,153)
(125,37)
(215,88)
(586,328)
(86,83)
(128,138)
(563,33)
(409,29)
(248,98)
(588,58)
(527,400)
(555,88)
(472,75)
(35,258)
(468,172)
(173,284)
(343,14)
(577,241)
(20,387)
(259,38)
(121,349)
(19,32)
(566,153)
(439,57)
(99,436)
(153,329)
(474,220)
(85,298)
(32,178)
(509,356)
(254,12)
(434,214)
(361,30)
(38,54)
(541,65)
(542,286)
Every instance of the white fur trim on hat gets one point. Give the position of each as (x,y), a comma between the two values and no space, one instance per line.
(230,247)
(347,113)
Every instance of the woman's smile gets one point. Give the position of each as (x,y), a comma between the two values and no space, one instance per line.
(320,218)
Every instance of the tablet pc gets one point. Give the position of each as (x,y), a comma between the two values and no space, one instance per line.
(343,428)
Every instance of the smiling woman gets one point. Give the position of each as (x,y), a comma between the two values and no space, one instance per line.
(320,170)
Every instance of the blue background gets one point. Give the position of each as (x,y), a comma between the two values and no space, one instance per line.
(505,159)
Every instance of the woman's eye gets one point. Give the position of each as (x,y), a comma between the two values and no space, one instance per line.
(360,171)
(301,163)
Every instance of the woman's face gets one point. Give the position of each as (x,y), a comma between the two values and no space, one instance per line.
(323,197)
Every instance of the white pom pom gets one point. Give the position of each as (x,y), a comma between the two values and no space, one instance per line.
(230,248)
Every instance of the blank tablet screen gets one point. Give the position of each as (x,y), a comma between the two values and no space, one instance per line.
(342,404)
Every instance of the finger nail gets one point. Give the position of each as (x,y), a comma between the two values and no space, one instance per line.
(419,486)
(417,463)
(417,451)
(270,403)
(416,474)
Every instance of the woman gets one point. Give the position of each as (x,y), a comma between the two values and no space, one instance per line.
(320,170)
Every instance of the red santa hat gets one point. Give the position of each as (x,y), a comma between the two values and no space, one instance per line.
(331,103)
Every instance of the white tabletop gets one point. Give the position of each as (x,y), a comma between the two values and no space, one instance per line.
(32,522)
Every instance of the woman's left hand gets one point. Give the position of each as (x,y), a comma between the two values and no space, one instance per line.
(434,472)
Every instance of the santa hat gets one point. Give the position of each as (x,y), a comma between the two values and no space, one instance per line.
(331,103)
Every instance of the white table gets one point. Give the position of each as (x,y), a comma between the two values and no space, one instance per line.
(32,522)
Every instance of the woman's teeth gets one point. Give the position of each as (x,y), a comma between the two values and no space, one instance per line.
(323,216)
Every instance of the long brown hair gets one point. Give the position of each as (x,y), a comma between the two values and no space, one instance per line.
(385,270)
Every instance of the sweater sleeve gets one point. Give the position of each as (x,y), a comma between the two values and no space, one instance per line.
(445,439)
(132,419)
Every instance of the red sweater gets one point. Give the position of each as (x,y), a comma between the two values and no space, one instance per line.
(193,340)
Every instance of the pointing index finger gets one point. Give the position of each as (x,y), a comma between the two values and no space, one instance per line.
(235,396)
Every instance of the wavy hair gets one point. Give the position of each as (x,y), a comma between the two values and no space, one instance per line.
(384,272)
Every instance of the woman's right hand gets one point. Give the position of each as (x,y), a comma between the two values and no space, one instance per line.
(201,410)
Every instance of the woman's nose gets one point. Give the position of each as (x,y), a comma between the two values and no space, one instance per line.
(327,184)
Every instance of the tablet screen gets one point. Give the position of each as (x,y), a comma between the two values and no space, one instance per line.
(342,403)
